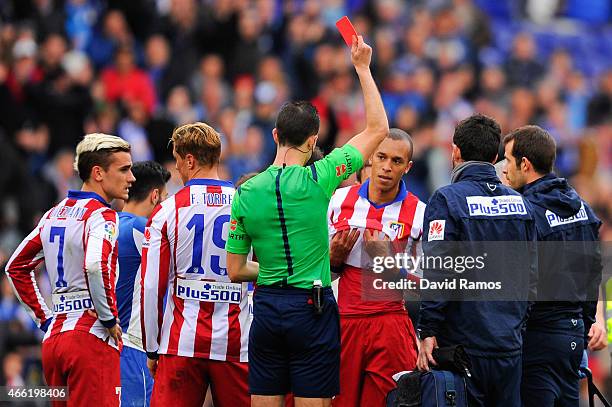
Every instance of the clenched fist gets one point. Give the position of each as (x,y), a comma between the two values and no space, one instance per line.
(361,53)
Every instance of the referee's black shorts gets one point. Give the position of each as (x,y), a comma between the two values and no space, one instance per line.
(291,349)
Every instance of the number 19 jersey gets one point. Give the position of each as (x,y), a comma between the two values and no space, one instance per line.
(183,258)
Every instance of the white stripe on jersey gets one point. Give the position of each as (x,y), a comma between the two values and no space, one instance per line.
(205,329)
(134,329)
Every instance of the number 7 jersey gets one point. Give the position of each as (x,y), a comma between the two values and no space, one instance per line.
(77,240)
(183,258)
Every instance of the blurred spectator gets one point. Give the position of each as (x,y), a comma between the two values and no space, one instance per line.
(211,69)
(81,17)
(522,68)
(600,106)
(126,82)
(112,35)
(157,57)
(12,369)
(133,130)
(52,52)
(179,108)
(62,101)
(60,173)
(250,157)
(25,70)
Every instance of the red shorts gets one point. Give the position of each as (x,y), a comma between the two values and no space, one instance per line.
(84,363)
(183,381)
(374,348)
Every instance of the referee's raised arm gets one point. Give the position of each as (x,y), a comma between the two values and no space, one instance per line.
(377,126)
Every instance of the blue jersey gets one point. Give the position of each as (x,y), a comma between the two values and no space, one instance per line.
(131,233)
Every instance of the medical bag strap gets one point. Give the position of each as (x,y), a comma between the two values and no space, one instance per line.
(450,394)
(593,390)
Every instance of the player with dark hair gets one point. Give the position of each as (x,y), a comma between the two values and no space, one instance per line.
(478,209)
(294,345)
(146,192)
(359,215)
(77,238)
(562,321)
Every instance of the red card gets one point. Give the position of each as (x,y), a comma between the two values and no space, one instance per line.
(346,30)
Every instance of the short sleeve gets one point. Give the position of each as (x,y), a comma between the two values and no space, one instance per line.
(238,241)
(337,166)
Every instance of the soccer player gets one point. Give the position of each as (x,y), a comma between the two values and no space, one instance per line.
(476,208)
(146,192)
(202,338)
(78,241)
(294,344)
(569,264)
(381,205)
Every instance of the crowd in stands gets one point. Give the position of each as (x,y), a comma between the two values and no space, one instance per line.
(139,68)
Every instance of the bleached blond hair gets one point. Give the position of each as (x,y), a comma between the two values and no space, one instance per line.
(96,149)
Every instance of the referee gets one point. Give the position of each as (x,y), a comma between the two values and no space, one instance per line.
(294,342)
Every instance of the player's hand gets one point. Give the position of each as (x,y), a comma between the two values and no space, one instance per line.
(375,243)
(152,366)
(597,337)
(341,245)
(425,357)
(115,333)
(361,53)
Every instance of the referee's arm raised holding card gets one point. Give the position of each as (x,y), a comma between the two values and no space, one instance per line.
(281,213)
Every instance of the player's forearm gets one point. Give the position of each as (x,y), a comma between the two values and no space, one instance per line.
(240,269)
(377,125)
(27,292)
(150,314)
(101,292)
(20,272)
(248,272)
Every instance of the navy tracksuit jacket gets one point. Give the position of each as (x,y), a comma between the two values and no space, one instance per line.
(570,270)
(476,208)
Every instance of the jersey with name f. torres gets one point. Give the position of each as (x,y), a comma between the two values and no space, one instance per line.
(183,257)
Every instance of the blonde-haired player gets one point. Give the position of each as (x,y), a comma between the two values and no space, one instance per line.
(77,240)
(202,338)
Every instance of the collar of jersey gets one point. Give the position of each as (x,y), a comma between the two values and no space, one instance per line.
(208,181)
(401,195)
(86,195)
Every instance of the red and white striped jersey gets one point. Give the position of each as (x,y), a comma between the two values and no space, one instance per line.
(401,220)
(77,240)
(183,258)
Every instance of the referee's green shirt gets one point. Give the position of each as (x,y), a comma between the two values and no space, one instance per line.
(282,214)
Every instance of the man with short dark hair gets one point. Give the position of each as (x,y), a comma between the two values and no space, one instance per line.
(146,192)
(569,263)
(294,344)
(476,208)
(379,209)
(77,238)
